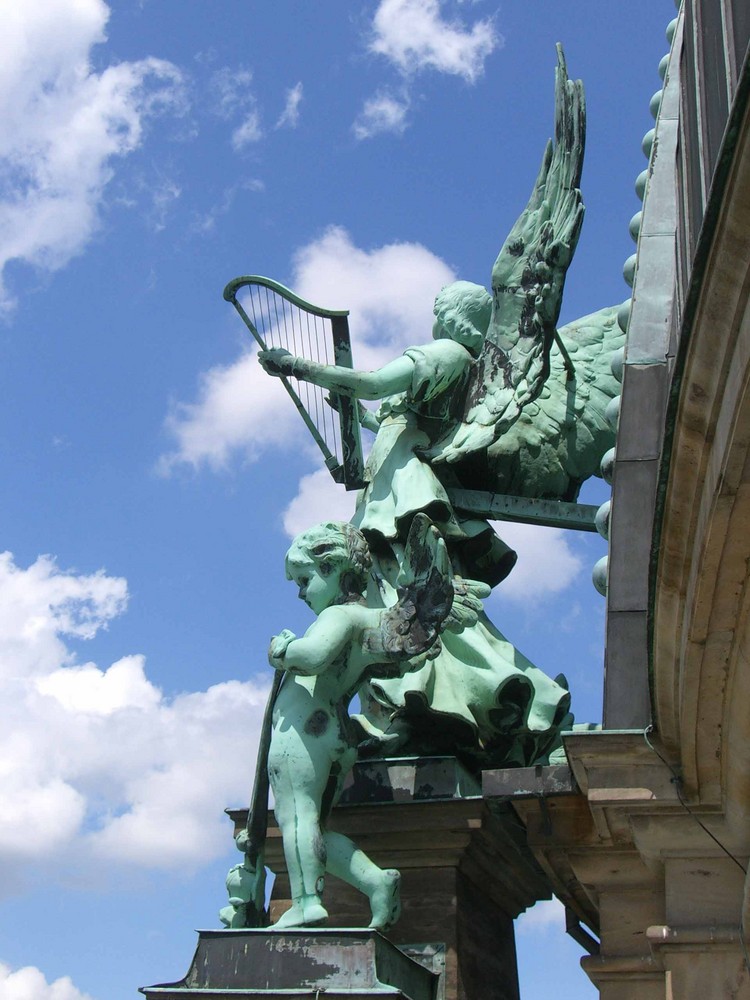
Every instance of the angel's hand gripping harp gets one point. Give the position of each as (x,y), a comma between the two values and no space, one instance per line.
(277,318)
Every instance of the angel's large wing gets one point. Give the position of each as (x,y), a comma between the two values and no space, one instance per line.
(559,438)
(527,285)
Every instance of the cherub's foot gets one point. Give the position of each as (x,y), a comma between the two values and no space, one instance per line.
(382,746)
(302,913)
(385,901)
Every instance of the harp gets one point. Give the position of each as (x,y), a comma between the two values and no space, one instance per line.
(276,317)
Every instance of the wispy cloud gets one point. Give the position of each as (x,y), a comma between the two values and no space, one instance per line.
(206,222)
(247,132)
(382,113)
(230,90)
(233,99)
(289,117)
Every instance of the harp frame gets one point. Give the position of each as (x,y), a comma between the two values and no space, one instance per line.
(349,469)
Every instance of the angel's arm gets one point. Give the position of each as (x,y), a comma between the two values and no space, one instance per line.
(392,378)
(366,417)
(316,650)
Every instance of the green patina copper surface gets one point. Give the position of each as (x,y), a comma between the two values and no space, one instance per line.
(313,743)
(501,414)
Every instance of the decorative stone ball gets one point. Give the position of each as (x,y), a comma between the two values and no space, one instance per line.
(655,104)
(599,575)
(634,226)
(647,143)
(672,26)
(602,519)
(612,413)
(607,466)
(628,270)
(663,64)
(640,184)
(616,363)
(623,315)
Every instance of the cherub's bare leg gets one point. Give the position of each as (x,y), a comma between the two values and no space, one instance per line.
(298,789)
(381,886)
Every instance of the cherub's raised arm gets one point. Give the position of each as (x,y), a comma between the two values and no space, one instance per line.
(316,650)
(392,378)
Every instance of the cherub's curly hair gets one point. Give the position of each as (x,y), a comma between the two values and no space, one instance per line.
(464,309)
(334,545)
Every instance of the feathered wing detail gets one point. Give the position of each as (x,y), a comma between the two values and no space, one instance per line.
(527,285)
(559,438)
(411,627)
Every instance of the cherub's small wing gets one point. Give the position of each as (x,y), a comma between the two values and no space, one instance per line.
(425,594)
(527,285)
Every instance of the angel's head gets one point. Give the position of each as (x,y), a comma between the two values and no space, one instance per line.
(463,312)
(330,564)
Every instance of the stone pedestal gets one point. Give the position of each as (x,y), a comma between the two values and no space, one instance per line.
(465,870)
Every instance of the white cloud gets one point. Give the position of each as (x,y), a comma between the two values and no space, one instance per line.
(232,97)
(240,411)
(414,35)
(382,113)
(164,194)
(544,915)
(319,499)
(547,563)
(206,222)
(230,90)
(102,756)
(247,132)
(62,125)
(290,115)
(389,290)
(29,983)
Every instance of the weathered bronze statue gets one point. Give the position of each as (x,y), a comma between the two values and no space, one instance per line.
(499,401)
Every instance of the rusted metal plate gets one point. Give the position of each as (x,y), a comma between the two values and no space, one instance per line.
(263,963)
(523,782)
(408,779)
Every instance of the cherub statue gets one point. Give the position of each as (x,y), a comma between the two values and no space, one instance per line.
(501,401)
(313,744)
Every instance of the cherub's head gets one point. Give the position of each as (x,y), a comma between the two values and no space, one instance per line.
(463,312)
(330,564)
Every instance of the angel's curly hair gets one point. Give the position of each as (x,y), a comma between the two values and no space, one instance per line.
(334,545)
(463,309)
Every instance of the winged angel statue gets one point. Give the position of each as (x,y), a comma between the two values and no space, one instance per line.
(501,401)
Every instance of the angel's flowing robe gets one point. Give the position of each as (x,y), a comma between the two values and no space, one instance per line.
(480,691)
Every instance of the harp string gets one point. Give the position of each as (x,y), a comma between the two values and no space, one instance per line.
(284,324)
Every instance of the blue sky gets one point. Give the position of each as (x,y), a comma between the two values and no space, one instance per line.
(363,152)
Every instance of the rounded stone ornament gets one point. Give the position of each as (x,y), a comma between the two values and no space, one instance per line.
(663,64)
(640,184)
(612,412)
(654,104)
(599,575)
(607,466)
(602,519)
(616,363)
(623,315)
(634,226)
(672,26)
(628,270)
(647,143)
